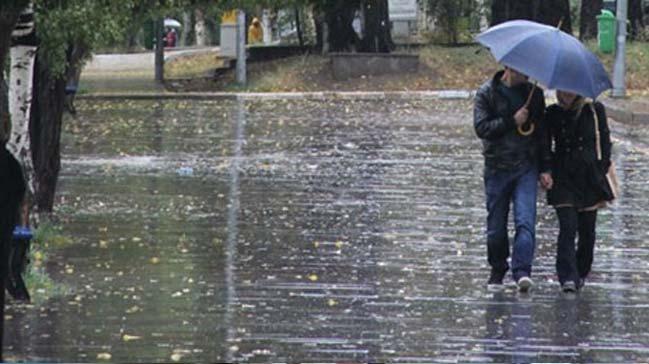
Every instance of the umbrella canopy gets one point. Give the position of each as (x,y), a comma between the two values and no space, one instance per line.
(172,23)
(548,55)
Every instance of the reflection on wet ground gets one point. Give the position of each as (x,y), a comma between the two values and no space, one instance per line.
(322,230)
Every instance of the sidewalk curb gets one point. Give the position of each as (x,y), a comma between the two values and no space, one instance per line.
(623,115)
(614,111)
(403,95)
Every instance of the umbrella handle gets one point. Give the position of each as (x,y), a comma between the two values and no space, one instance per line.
(529,97)
(527,132)
(532,127)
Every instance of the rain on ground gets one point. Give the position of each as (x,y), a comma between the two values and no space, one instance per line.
(313,230)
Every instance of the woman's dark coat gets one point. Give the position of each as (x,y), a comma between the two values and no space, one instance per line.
(579,177)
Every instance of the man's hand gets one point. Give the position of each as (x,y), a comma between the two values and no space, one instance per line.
(521,116)
(546,181)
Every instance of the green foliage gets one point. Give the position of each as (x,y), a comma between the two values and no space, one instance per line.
(86,24)
(455,19)
(91,24)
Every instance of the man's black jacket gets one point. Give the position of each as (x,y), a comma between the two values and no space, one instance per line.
(493,118)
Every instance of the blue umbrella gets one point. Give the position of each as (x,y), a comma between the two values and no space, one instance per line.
(548,55)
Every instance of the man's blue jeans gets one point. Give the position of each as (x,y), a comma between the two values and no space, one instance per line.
(503,187)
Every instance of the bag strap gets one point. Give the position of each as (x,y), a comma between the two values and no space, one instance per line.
(598,146)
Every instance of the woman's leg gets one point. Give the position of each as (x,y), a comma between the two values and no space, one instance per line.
(587,221)
(566,258)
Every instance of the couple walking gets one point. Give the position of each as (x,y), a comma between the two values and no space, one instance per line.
(566,148)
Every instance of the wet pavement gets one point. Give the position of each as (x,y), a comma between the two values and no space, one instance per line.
(313,231)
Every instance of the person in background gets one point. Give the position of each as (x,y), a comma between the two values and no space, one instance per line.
(255,32)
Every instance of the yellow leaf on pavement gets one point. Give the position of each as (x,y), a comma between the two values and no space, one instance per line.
(127,337)
(176,357)
(104,356)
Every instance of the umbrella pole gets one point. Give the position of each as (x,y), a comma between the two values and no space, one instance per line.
(529,131)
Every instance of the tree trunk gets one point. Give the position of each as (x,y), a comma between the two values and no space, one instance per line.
(298,26)
(325,38)
(588,21)
(339,15)
(9,14)
(5,119)
(553,12)
(498,12)
(159,51)
(20,98)
(636,18)
(549,12)
(72,76)
(377,37)
(319,23)
(199,27)
(45,129)
(23,53)
(265,23)
(504,10)
(187,25)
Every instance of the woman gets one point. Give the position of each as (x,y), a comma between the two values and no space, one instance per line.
(578,187)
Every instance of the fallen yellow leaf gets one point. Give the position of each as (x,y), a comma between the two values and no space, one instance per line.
(104,356)
(176,357)
(127,337)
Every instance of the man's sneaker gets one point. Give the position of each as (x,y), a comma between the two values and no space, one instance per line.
(524,284)
(569,287)
(495,282)
(582,283)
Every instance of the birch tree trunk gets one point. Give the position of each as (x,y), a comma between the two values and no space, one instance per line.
(187,25)
(265,24)
(200,28)
(23,53)
(484,22)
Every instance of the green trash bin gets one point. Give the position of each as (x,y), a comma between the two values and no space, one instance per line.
(606,31)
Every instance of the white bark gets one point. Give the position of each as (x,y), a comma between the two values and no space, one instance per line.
(200,28)
(325,38)
(241,47)
(20,99)
(265,24)
(484,22)
(187,20)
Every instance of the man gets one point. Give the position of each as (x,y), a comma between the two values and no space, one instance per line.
(508,117)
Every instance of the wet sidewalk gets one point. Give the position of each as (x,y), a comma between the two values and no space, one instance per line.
(332,230)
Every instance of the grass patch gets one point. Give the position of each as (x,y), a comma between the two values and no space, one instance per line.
(441,67)
(38,282)
(195,65)
(637,63)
